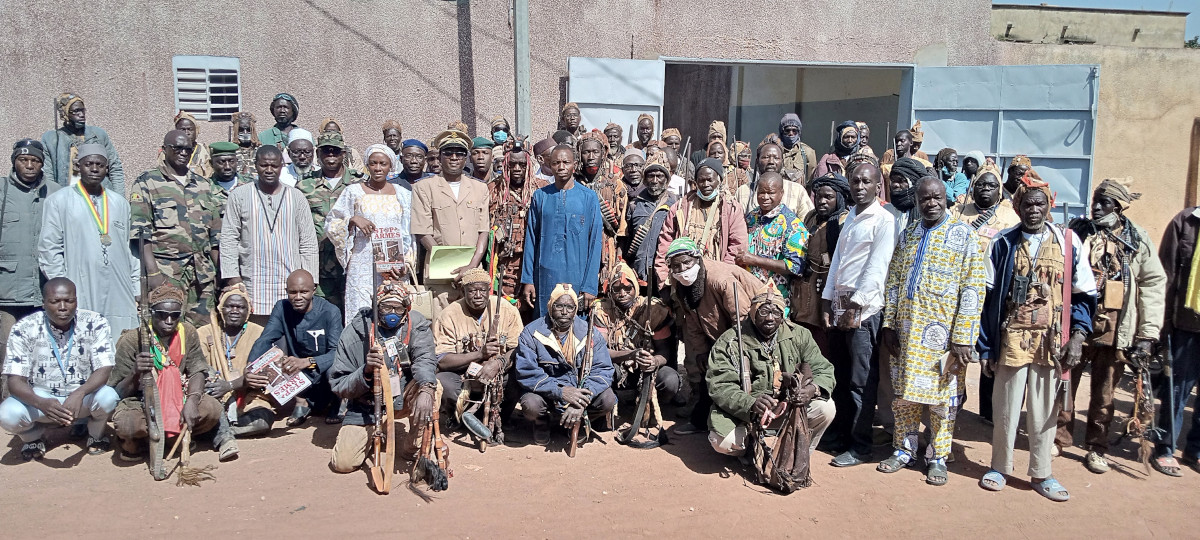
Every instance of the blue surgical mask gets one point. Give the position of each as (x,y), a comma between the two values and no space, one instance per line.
(711,196)
(500,137)
(390,321)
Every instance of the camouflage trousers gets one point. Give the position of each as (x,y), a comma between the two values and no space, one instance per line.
(197,277)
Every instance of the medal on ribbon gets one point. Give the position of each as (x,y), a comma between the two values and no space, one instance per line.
(101,219)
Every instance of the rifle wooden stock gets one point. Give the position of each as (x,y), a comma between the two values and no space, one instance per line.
(585,369)
(385,426)
(151,403)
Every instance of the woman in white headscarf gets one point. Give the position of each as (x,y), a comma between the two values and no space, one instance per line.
(372,212)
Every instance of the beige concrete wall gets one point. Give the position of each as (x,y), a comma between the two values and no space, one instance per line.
(1044,24)
(422,62)
(1148,101)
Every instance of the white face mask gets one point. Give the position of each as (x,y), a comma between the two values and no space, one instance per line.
(687,277)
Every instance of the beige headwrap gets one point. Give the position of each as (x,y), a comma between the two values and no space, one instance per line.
(560,290)
(184,114)
(1117,189)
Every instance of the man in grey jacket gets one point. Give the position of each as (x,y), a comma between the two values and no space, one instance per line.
(404,345)
(61,145)
(21,201)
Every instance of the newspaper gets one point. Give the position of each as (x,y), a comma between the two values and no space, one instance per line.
(280,385)
(388,245)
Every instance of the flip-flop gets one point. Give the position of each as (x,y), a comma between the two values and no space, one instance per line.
(1051,489)
(936,475)
(1167,465)
(98,446)
(996,478)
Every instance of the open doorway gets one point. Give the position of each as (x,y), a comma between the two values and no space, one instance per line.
(751,98)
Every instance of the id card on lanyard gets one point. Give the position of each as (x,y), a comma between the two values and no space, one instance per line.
(59,356)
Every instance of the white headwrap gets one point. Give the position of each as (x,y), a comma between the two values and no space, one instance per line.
(300,134)
(379,148)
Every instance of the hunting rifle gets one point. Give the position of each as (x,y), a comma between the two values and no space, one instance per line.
(585,369)
(647,394)
(151,405)
(385,421)
(486,430)
(1141,422)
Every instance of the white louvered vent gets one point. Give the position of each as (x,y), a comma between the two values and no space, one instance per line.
(208,87)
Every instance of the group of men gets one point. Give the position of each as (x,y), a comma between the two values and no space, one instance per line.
(838,292)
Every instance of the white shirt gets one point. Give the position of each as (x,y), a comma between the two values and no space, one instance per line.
(860,262)
(1082,279)
(454,186)
(31,355)
(332,182)
(677,185)
(289,176)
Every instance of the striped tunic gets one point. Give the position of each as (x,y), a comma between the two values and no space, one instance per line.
(265,239)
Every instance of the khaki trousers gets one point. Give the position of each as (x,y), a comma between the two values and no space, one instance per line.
(1035,385)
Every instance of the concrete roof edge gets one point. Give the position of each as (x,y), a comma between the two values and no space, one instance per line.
(1094,10)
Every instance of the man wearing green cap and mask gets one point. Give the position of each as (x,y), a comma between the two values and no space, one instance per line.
(481,159)
(703,295)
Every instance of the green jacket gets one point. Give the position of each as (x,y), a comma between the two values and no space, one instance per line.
(731,405)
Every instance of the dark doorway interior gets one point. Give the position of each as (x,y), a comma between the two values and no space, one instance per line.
(751,98)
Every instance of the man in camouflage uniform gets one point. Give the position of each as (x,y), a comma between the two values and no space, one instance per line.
(225,176)
(316,188)
(175,208)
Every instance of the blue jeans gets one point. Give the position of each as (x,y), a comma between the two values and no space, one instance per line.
(855,358)
(1185,365)
(28,423)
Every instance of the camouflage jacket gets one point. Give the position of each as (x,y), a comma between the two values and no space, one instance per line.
(221,195)
(182,220)
(321,198)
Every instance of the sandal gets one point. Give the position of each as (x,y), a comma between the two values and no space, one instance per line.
(1051,489)
(1167,465)
(895,462)
(299,415)
(993,481)
(936,475)
(97,446)
(33,450)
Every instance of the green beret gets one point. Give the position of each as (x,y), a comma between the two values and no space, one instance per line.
(222,147)
(480,142)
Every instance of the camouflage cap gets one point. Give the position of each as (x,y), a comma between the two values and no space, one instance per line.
(331,138)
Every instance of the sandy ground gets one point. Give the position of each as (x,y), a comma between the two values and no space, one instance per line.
(282,487)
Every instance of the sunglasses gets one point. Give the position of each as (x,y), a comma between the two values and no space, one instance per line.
(164,314)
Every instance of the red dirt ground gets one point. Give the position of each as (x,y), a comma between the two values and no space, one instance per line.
(281,487)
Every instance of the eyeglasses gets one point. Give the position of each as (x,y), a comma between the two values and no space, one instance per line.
(300,152)
(454,152)
(165,315)
(178,148)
